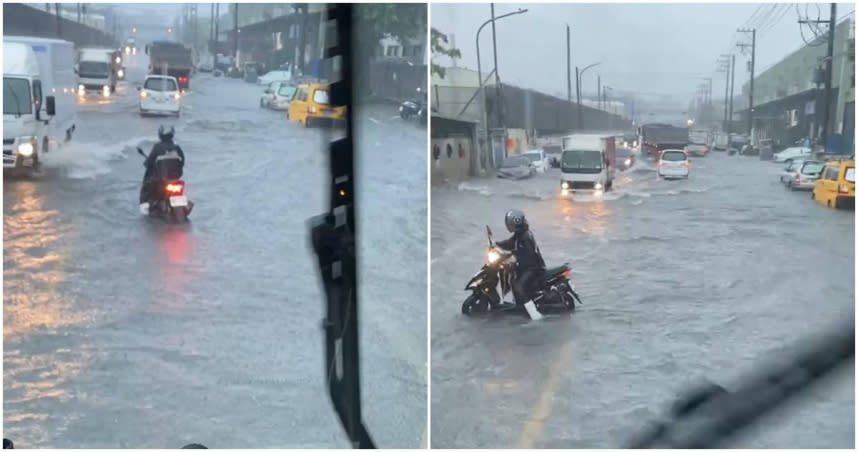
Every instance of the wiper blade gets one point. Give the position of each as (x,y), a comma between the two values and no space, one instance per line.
(333,239)
(710,415)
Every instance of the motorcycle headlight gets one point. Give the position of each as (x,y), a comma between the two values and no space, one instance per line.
(628,162)
(121,73)
(400,108)
(493,256)
(26,149)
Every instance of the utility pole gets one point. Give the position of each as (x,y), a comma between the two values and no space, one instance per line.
(303,48)
(216,29)
(568,66)
(59,20)
(499,96)
(235,32)
(578,95)
(211,28)
(78,13)
(753,47)
(726,70)
(823,134)
(732,85)
(599,91)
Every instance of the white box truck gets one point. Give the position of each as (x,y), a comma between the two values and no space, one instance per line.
(39,105)
(587,164)
(95,71)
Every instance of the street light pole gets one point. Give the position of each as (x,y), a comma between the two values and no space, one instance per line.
(480,74)
(579,76)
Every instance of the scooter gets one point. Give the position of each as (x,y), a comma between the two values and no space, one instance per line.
(556,293)
(169,201)
(413,108)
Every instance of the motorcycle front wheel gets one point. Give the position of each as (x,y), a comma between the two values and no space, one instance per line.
(474,305)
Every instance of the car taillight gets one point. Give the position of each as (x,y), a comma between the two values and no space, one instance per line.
(175,189)
(311,109)
(183,80)
(843,188)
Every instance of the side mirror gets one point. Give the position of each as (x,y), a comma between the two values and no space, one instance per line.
(51,105)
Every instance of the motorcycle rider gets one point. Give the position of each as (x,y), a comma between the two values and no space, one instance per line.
(531,266)
(166,160)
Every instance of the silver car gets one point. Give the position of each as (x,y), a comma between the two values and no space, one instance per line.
(806,176)
(790,169)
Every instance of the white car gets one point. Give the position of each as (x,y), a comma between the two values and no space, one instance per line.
(674,164)
(160,94)
(277,96)
(789,154)
(274,76)
(539,159)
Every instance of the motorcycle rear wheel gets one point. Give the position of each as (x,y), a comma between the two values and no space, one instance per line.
(474,305)
(179,215)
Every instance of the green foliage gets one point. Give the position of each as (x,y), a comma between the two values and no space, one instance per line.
(440,46)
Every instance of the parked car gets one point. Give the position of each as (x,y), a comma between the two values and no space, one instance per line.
(674,164)
(275,76)
(625,158)
(206,67)
(282,96)
(517,167)
(311,105)
(806,176)
(160,94)
(790,169)
(789,154)
(539,159)
(698,149)
(836,186)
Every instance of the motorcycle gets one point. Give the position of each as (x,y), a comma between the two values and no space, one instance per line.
(413,107)
(169,201)
(556,293)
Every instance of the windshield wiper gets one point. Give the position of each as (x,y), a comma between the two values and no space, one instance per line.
(710,415)
(334,241)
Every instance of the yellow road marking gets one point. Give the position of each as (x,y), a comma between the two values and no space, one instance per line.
(535,423)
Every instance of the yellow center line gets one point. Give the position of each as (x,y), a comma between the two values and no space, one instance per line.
(535,423)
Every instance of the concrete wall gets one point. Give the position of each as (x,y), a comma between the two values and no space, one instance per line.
(453,153)
(23,20)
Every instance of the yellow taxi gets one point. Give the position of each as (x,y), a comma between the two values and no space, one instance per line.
(311,106)
(836,185)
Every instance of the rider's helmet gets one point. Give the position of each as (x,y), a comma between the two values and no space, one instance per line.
(165,133)
(515,221)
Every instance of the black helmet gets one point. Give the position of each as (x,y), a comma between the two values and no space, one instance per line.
(165,133)
(515,221)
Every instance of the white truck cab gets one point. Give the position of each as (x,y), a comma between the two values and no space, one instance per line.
(587,163)
(38,98)
(95,71)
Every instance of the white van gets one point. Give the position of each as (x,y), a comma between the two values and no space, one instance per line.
(95,71)
(587,163)
(39,107)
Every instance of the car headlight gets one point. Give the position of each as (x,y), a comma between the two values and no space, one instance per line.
(564,185)
(143,94)
(81,90)
(628,162)
(120,73)
(493,256)
(597,186)
(118,60)
(26,149)
(105,90)
(177,97)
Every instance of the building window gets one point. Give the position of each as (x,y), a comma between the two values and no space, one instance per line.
(393,51)
(417,51)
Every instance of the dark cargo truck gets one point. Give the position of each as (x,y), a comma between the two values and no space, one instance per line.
(654,138)
(171,58)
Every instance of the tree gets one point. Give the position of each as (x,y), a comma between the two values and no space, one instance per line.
(440,47)
(376,21)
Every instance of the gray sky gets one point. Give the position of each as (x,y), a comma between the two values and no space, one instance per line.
(664,48)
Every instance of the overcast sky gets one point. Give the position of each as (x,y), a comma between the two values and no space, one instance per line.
(663,48)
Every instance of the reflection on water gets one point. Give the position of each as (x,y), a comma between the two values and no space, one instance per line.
(33,265)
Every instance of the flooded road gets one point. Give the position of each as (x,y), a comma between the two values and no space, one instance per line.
(680,280)
(121,331)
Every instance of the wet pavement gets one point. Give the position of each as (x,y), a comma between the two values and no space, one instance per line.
(680,280)
(122,331)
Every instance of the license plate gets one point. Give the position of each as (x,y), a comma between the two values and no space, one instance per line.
(178,201)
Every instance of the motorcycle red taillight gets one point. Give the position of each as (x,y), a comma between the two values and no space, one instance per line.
(175,188)
(567,274)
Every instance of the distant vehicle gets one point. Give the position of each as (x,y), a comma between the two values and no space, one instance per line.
(699,150)
(554,153)
(311,105)
(790,154)
(250,75)
(674,164)
(806,176)
(720,143)
(538,158)
(698,136)
(160,94)
(277,96)
(836,186)
(275,76)
(587,163)
(39,104)
(656,137)
(625,159)
(131,46)
(206,67)
(790,169)
(172,59)
(517,167)
(95,71)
